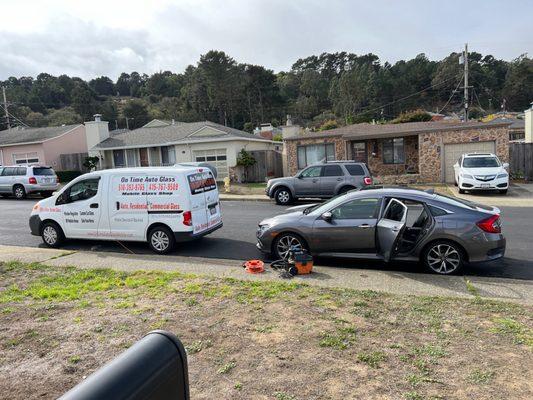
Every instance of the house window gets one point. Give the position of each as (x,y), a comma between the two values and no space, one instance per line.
(131,157)
(393,151)
(315,153)
(25,158)
(168,155)
(119,160)
(359,151)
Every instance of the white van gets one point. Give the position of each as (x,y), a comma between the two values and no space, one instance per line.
(162,206)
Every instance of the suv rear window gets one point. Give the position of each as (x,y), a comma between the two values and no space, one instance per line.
(43,171)
(355,170)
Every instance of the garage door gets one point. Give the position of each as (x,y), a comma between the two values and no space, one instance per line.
(452,152)
(215,157)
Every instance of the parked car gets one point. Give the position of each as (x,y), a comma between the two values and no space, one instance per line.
(162,206)
(21,180)
(476,171)
(320,180)
(389,224)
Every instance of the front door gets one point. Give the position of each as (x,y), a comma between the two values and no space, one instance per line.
(351,229)
(332,177)
(359,152)
(307,183)
(81,208)
(390,228)
(143,155)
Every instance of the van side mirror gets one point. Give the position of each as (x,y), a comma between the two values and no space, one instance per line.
(153,368)
(327,216)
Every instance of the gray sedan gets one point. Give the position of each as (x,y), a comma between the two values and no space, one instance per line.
(389,224)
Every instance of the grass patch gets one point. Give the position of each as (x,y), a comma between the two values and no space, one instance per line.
(480,376)
(340,339)
(226,368)
(514,330)
(198,346)
(373,359)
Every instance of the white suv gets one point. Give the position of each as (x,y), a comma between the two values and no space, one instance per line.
(21,180)
(477,171)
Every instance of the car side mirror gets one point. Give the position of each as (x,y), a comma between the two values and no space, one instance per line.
(505,165)
(327,216)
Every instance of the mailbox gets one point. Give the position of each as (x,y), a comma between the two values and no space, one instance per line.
(154,368)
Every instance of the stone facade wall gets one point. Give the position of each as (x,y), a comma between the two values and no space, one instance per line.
(431,148)
(375,159)
(291,147)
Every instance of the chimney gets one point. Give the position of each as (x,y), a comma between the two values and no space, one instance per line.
(289,120)
(529,124)
(96,132)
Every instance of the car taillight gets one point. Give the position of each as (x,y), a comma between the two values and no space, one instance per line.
(491,224)
(33,181)
(187,218)
(367,180)
(57,179)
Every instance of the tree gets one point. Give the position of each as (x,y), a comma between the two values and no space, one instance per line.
(136,111)
(83,101)
(91,163)
(35,119)
(518,88)
(102,86)
(412,116)
(64,116)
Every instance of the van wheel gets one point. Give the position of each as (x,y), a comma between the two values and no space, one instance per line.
(283,196)
(52,234)
(161,240)
(19,192)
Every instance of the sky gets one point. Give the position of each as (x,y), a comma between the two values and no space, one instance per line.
(93,38)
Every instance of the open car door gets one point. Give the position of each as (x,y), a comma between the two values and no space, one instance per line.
(390,228)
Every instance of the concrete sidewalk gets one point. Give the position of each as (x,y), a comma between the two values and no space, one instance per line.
(402,283)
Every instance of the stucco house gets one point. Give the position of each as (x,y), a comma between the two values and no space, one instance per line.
(161,143)
(401,153)
(41,145)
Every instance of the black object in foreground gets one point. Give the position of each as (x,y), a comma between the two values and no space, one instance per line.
(154,368)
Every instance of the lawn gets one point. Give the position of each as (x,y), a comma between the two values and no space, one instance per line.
(261,340)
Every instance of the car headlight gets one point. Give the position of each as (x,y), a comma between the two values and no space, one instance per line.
(263,228)
(466,176)
(502,176)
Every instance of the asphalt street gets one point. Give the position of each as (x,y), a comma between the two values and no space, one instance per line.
(236,240)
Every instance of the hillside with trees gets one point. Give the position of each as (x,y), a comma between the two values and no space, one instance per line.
(322,91)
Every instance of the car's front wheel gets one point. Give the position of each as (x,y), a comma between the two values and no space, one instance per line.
(287,242)
(52,234)
(443,257)
(161,240)
(283,196)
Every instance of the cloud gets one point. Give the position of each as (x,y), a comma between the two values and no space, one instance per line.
(106,37)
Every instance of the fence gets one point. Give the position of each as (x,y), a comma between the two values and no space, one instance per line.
(72,162)
(521,160)
(268,163)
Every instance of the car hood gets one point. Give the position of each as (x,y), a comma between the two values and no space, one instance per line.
(282,218)
(277,180)
(484,171)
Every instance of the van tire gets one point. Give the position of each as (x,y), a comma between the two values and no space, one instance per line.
(283,196)
(161,240)
(52,234)
(19,192)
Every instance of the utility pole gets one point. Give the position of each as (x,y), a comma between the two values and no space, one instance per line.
(5,107)
(466,81)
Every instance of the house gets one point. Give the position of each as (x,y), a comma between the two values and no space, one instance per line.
(413,152)
(166,144)
(22,145)
(516,128)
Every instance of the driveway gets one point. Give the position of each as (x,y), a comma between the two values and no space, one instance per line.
(519,195)
(236,240)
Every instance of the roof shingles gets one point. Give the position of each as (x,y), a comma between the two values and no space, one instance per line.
(32,135)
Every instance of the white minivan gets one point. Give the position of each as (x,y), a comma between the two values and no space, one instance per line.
(162,206)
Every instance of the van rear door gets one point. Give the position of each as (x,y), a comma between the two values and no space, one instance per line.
(204,208)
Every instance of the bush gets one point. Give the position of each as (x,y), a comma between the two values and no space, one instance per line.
(412,116)
(67,176)
(327,125)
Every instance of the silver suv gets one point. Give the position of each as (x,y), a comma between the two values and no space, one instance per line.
(21,180)
(320,180)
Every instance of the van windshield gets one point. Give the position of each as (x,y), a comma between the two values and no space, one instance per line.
(201,182)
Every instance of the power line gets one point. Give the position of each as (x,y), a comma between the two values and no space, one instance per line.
(12,116)
(451,96)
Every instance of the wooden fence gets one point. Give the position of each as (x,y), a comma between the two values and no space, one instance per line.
(268,163)
(521,160)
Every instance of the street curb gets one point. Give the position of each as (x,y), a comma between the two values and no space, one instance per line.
(242,198)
